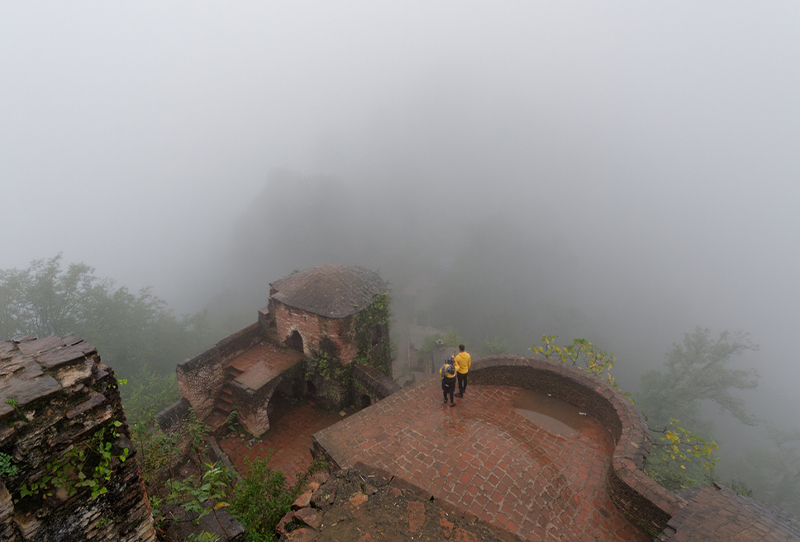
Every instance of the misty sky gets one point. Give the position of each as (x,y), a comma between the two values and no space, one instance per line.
(655,142)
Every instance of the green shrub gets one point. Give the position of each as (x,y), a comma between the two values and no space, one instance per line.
(261,499)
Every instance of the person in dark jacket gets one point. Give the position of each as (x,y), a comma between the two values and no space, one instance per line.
(448,372)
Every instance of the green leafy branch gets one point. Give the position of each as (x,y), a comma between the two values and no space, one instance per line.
(681,458)
(156,450)
(581,353)
(197,431)
(193,493)
(7,467)
(89,464)
(372,318)
(678,444)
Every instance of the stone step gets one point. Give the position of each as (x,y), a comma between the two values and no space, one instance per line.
(227,399)
(223,406)
(231,373)
(216,419)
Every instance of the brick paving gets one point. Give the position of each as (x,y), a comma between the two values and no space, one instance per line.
(289,437)
(262,363)
(718,514)
(485,458)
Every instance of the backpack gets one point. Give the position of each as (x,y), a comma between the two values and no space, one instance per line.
(448,370)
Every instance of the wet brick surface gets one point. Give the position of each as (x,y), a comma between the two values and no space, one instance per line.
(485,458)
(290,438)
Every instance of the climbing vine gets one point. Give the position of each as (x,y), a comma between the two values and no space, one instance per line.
(86,465)
(371,321)
(326,363)
(7,467)
(360,390)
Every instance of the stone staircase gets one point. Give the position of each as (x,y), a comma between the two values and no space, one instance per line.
(224,403)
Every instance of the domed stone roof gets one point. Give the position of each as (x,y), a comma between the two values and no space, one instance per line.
(333,291)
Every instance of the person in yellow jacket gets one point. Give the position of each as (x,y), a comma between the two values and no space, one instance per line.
(448,372)
(463,361)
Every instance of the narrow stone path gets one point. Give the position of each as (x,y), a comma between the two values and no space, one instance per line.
(486,458)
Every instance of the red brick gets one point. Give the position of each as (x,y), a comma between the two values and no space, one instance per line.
(529,488)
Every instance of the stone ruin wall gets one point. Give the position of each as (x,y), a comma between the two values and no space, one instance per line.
(202,377)
(254,409)
(55,396)
(313,328)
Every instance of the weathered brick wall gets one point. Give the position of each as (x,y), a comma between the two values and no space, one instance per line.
(254,405)
(375,381)
(241,341)
(171,415)
(314,328)
(644,501)
(61,399)
(202,377)
(200,380)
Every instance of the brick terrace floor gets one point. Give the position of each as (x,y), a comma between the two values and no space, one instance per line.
(262,363)
(290,437)
(485,458)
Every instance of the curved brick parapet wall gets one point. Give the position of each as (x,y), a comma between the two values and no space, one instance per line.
(644,501)
(55,396)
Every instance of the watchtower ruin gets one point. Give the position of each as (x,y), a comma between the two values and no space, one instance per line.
(323,335)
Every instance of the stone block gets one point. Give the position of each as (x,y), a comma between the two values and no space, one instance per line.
(308,516)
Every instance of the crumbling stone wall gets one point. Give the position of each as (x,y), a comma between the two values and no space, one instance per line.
(202,377)
(56,400)
(314,328)
(255,405)
(374,381)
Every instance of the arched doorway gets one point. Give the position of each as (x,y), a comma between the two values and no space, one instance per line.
(295,341)
(279,404)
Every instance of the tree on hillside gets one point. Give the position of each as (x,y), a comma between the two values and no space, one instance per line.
(135,333)
(129,329)
(695,371)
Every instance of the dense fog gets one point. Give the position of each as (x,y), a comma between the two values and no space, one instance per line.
(622,172)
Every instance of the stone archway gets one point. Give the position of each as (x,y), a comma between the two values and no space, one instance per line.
(295,341)
(279,404)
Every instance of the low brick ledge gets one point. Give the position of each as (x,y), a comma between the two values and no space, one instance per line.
(375,381)
(641,499)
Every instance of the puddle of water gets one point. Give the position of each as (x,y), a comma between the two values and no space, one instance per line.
(551,413)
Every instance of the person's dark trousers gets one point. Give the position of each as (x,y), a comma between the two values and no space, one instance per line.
(462,382)
(448,388)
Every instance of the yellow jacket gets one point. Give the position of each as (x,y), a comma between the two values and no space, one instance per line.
(463,361)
